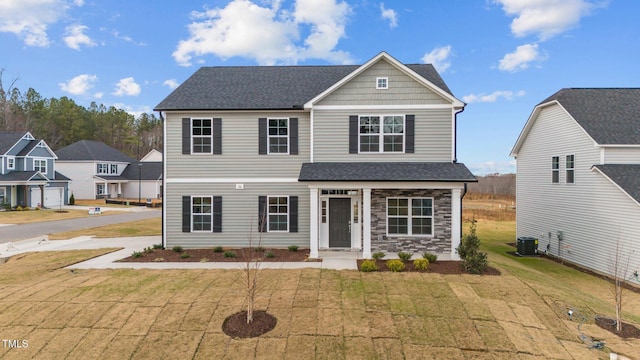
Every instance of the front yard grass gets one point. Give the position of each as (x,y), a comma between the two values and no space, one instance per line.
(147,227)
(322,314)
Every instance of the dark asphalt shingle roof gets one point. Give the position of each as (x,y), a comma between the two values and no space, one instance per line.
(608,115)
(91,150)
(151,170)
(265,87)
(60,177)
(379,171)
(627,176)
(8,139)
(30,145)
(20,176)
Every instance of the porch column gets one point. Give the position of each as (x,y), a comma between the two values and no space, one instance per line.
(313,222)
(456,221)
(366,223)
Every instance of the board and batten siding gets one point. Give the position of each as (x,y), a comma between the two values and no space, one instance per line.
(622,155)
(433,136)
(591,214)
(239,158)
(239,215)
(403,90)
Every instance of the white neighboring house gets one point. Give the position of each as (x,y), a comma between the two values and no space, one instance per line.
(152,156)
(578,178)
(98,171)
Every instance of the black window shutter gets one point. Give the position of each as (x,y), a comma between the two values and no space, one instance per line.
(217,214)
(262,214)
(216,127)
(293,136)
(186,135)
(410,134)
(293,214)
(186,214)
(353,134)
(262,136)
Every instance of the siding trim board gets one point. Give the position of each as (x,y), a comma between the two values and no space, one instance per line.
(228,180)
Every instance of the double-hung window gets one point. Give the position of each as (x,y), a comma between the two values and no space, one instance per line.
(102,168)
(114,168)
(410,216)
(278,213)
(11,163)
(381,133)
(40,165)
(201,213)
(570,169)
(555,169)
(278,136)
(201,136)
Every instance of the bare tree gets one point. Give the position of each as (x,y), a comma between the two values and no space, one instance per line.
(253,256)
(619,269)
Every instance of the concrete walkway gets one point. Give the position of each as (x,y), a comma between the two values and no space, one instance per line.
(331,260)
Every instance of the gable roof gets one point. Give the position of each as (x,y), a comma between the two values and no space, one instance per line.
(32,145)
(267,87)
(8,139)
(625,176)
(91,150)
(378,171)
(150,170)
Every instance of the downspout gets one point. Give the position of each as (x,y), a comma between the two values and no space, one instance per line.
(164,185)
(455,134)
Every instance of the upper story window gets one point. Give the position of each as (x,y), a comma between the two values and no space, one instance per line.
(570,169)
(555,169)
(11,163)
(382,83)
(40,165)
(381,133)
(114,168)
(278,134)
(102,168)
(201,136)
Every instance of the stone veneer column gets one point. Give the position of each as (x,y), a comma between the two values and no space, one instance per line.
(313,222)
(366,223)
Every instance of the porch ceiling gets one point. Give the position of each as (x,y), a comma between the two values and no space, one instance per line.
(385,171)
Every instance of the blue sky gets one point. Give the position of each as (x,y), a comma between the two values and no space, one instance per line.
(501,57)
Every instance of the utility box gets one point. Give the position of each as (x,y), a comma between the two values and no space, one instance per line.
(527,246)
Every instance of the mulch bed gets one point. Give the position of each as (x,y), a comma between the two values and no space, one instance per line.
(197,255)
(236,325)
(445,267)
(627,330)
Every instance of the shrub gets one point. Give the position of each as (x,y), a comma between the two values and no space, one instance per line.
(177,248)
(230,254)
(473,260)
(18,208)
(368,266)
(184,255)
(204,260)
(157,246)
(293,248)
(378,255)
(72,200)
(475,263)
(136,254)
(218,249)
(37,208)
(405,256)
(269,254)
(421,264)
(395,265)
(259,249)
(429,256)
(148,250)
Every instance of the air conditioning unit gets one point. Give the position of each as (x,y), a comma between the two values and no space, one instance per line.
(527,246)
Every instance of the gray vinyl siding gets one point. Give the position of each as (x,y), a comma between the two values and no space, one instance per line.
(403,90)
(40,152)
(239,215)
(433,136)
(239,156)
(592,213)
(630,155)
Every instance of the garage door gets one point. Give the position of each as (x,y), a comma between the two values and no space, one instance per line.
(52,197)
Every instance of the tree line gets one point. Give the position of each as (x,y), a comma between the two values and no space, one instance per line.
(494,184)
(61,122)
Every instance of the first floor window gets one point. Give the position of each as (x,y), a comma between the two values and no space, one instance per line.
(40,165)
(2,196)
(410,216)
(570,167)
(101,189)
(278,213)
(278,136)
(201,213)
(555,169)
(201,136)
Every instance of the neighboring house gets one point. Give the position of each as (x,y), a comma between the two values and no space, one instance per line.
(28,176)
(152,156)
(578,177)
(98,171)
(325,157)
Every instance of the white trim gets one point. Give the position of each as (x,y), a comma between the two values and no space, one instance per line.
(288,136)
(228,180)
(618,145)
(191,213)
(11,157)
(26,136)
(164,186)
(456,222)
(395,107)
(314,233)
(311,134)
(602,157)
(43,145)
(366,223)
(350,185)
(410,216)
(277,213)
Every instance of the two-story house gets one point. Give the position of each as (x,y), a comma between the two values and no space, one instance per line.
(28,177)
(325,157)
(98,171)
(578,178)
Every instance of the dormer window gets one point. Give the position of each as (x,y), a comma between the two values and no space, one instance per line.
(382,83)
(11,163)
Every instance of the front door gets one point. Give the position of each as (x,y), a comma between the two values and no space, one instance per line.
(340,222)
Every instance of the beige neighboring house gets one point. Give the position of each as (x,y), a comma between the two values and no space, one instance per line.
(98,171)
(152,156)
(355,157)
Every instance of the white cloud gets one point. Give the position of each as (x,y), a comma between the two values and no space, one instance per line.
(79,85)
(269,35)
(439,58)
(127,86)
(75,36)
(116,34)
(29,20)
(493,167)
(521,58)
(136,111)
(493,97)
(546,18)
(390,15)
(171,83)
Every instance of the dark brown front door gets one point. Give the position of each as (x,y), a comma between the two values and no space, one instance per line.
(339,222)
